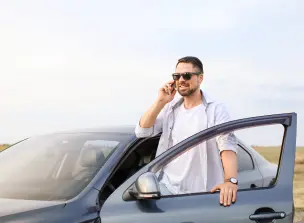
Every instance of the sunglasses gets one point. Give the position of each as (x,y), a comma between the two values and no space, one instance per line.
(186,76)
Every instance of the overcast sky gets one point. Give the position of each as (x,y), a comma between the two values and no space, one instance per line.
(73,64)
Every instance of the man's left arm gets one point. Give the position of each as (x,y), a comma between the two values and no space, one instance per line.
(227,146)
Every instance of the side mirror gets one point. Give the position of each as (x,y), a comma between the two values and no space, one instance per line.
(145,187)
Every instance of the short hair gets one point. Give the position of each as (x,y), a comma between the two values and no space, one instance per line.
(193,60)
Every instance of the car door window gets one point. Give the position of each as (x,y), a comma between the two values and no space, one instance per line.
(245,162)
(187,172)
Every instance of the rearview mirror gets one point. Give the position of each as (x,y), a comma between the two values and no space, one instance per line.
(145,187)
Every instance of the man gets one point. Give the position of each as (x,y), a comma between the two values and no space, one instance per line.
(210,166)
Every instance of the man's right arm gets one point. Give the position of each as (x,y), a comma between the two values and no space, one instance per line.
(151,122)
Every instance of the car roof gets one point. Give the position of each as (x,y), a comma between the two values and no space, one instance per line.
(121,129)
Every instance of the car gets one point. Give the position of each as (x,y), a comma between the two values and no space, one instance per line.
(109,175)
(253,169)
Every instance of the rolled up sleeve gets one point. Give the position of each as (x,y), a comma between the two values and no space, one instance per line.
(141,132)
(225,141)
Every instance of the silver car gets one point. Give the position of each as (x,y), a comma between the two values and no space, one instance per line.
(253,169)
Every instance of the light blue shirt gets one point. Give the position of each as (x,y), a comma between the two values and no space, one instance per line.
(214,113)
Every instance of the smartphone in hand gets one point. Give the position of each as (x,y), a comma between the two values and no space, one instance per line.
(173,86)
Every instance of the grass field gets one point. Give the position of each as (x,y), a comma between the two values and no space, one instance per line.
(272,154)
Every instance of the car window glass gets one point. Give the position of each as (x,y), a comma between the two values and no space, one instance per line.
(55,166)
(186,173)
(245,162)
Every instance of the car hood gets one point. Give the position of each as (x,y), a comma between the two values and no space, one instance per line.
(10,207)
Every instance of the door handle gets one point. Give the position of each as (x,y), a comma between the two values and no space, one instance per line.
(267,216)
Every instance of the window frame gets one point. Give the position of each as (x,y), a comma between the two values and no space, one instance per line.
(285,119)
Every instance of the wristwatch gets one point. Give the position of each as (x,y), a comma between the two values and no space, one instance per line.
(232,180)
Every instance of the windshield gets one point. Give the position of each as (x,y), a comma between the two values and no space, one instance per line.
(54,167)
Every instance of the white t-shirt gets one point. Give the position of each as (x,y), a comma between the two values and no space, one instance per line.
(185,174)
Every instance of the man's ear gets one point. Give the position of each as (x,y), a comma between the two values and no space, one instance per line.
(201,78)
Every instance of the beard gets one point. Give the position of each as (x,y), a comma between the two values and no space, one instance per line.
(187,90)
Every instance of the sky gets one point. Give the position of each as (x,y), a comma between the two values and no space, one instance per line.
(82,64)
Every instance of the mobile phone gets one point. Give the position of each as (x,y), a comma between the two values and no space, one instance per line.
(173,87)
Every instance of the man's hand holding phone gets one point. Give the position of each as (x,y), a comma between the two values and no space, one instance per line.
(165,95)
(167,92)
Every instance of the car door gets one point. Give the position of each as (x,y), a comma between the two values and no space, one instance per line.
(264,204)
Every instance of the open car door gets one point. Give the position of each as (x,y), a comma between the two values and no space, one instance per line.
(139,199)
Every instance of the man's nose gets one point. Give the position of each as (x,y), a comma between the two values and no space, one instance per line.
(181,79)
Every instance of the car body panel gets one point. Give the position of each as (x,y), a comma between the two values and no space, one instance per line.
(268,170)
(263,172)
(250,179)
(80,210)
(11,206)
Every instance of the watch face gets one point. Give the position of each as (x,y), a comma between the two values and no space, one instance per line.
(233,180)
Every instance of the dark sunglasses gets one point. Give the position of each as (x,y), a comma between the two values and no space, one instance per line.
(186,76)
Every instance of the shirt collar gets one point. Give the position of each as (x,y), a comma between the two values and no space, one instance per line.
(205,97)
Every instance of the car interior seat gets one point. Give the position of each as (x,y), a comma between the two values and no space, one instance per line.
(92,157)
(91,160)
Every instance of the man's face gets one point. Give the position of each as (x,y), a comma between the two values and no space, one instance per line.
(187,87)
